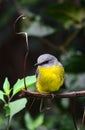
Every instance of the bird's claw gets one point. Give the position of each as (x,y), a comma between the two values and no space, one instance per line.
(52,95)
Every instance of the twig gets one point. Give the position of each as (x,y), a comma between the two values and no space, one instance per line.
(83,118)
(61,95)
(70,38)
(27,46)
(64,45)
(73,108)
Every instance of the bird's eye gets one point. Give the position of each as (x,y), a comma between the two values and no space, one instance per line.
(45,62)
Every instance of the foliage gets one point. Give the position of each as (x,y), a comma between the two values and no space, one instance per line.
(67,14)
(75,70)
(41,29)
(27,2)
(19,85)
(35,22)
(33,124)
(13,107)
(74,59)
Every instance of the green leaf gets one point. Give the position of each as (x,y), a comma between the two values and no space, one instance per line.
(38,29)
(29,122)
(6,86)
(66,13)
(38,121)
(65,102)
(7,110)
(71,61)
(28,1)
(19,85)
(75,82)
(17,106)
(41,30)
(7,15)
(1,95)
(1,120)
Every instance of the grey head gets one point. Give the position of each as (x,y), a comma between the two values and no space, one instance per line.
(47,60)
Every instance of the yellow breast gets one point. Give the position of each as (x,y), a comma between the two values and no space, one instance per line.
(50,79)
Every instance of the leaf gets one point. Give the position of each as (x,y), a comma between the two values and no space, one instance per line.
(71,61)
(7,110)
(1,120)
(6,86)
(66,13)
(38,121)
(38,29)
(28,1)
(33,124)
(75,82)
(17,106)
(19,85)
(65,102)
(8,13)
(1,95)
(29,122)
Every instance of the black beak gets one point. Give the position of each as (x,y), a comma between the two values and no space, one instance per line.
(45,62)
(36,64)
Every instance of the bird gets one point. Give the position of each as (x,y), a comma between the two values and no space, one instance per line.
(49,74)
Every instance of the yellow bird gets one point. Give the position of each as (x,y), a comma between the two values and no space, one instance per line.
(49,73)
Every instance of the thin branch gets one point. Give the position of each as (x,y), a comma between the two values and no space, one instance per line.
(83,118)
(61,95)
(27,45)
(70,38)
(73,110)
(64,45)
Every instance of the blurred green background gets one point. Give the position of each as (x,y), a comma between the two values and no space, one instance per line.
(53,26)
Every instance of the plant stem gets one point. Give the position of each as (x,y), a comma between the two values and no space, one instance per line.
(70,38)
(62,47)
(8,123)
(83,120)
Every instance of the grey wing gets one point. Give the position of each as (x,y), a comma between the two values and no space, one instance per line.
(36,73)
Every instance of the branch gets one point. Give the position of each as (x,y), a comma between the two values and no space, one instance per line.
(61,95)
(64,45)
(27,45)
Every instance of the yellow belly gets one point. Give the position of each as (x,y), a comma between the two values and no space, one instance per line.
(49,79)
